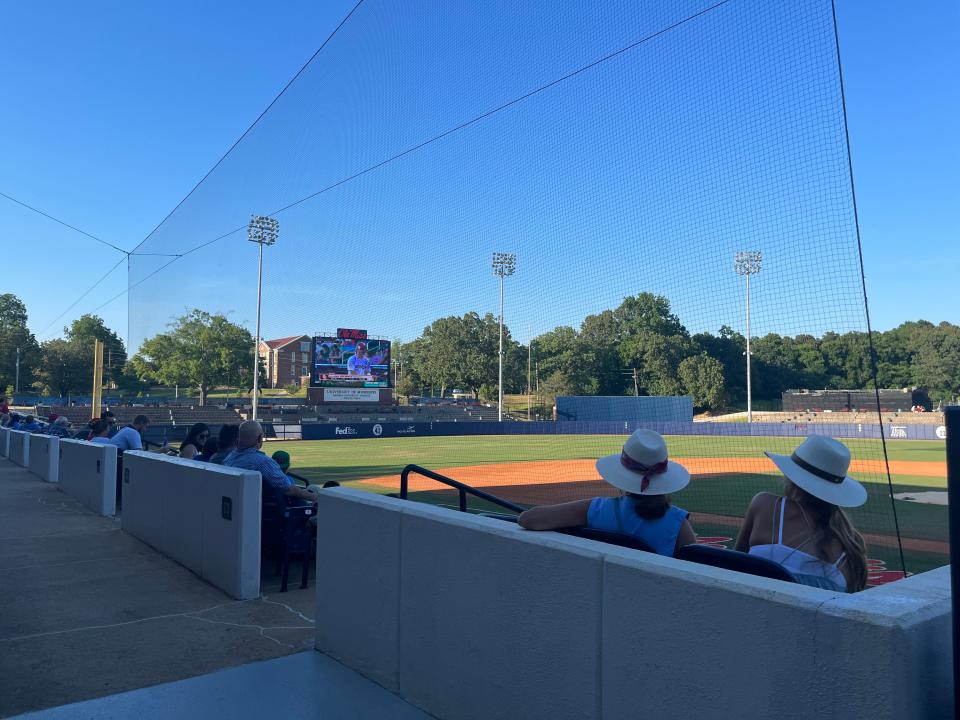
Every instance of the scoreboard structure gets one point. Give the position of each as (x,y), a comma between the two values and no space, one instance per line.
(351,368)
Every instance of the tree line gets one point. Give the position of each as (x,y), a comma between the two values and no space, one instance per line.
(640,347)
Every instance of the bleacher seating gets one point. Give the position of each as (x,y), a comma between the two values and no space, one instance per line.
(183,414)
(167,415)
(864,417)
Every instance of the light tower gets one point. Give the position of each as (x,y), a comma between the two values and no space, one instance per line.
(504,265)
(748,263)
(262,230)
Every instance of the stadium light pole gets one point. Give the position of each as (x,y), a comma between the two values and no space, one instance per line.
(504,265)
(262,230)
(746,264)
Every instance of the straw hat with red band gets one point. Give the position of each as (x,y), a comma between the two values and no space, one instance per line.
(643,467)
(819,466)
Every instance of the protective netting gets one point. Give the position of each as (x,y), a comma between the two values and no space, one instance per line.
(617,148)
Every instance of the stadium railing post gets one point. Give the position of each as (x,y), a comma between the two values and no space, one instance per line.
(953,505)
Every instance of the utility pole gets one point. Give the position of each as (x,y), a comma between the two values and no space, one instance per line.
(16,386)
(636,384)
(95,406)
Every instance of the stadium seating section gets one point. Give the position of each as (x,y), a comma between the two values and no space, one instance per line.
(288,414)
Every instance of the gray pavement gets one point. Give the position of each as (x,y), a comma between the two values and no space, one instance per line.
(87,611)
(304,685)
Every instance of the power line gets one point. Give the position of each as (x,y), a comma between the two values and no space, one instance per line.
(467,123)
(253,124)
(177,256)
(61,222)
(87,292)
(405,152)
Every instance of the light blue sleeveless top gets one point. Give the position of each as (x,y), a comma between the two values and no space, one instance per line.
(616,514)
(806,568)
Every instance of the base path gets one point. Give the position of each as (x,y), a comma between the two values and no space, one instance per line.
(532,483)
(580,471)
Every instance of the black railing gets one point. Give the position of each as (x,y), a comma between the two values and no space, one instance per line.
(462,489)
(953,513)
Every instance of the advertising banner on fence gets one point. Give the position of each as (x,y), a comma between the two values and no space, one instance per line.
(345,431)
(370,395)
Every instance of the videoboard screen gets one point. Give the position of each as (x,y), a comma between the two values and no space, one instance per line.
(341,362)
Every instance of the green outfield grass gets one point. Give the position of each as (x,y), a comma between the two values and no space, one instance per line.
(346,460)
(725,494)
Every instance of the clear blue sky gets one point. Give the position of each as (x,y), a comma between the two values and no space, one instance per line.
(115,110)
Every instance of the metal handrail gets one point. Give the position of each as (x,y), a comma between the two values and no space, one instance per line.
(463,490)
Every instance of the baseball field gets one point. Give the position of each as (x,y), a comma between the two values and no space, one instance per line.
(727,472)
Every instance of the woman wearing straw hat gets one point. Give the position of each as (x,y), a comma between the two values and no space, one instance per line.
(642,471)
(806,530)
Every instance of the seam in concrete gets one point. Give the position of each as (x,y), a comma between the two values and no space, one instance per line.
(73,562)
(400,595)
(600,631)
(120,624)
(63,506)
(261,628)
(58,534)
(295,612)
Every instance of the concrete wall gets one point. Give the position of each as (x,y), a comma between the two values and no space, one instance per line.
(19,450)
(88,472)
(4,442)
(45,456)
(206,517)
(470,617)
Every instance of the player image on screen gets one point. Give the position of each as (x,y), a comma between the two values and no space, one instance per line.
(350,363)
(359,364)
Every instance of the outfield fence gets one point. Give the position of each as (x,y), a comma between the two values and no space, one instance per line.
(348,431)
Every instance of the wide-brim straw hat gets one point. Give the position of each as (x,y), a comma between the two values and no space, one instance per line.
(819,466)
(643,467)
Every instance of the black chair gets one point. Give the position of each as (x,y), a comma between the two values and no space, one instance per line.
(733,560)
(285,531)
(611,538)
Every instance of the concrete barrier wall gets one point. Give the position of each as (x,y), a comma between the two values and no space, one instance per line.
(206,517)
(4,442)
(88,472)
(45,456)
(470,617)
(19,450)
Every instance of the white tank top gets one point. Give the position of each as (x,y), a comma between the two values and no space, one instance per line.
(807,568)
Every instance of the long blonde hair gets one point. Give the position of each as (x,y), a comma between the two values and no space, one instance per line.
(830,521)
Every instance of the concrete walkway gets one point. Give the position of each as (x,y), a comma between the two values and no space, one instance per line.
(87,611)
(306,685)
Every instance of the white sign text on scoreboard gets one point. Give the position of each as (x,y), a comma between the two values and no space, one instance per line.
(351,395)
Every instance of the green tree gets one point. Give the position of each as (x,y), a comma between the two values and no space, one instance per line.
(87,328)
(702,378)
(15,334)
(202,350)
(652,341)
(65,368)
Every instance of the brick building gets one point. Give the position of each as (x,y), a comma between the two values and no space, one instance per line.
(286,360)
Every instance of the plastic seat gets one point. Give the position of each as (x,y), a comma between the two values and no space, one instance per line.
(736,561)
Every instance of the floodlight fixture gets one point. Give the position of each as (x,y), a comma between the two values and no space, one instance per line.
(504,265)
(745,264)
(263,230)
(748,262)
